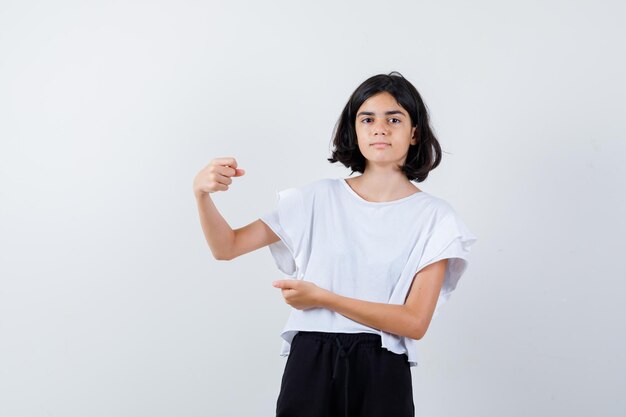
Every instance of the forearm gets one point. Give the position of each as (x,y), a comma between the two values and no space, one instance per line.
(391,318)
(219,235)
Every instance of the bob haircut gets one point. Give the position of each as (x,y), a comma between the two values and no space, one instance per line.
(421,158)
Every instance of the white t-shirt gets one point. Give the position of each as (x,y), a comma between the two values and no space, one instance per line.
(331,236)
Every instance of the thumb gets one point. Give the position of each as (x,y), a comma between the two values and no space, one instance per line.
(239,172)
(281,283)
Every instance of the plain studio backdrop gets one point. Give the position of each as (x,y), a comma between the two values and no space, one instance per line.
(111,303)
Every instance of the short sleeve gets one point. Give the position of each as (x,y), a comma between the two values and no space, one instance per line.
(445,238)
(288,220)
(452,240)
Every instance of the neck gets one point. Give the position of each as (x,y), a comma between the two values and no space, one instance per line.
(383,185)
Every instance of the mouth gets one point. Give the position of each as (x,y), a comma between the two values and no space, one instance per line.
(380,145)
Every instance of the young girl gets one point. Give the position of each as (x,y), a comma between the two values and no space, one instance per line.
(371,259)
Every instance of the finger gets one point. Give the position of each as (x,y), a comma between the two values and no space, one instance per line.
(225,170)
(227,161)
(222,179)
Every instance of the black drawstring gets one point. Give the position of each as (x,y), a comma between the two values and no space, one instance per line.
(342,353)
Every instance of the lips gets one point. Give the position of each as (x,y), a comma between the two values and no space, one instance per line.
(379,143)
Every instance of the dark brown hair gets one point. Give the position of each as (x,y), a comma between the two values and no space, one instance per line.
(422,157)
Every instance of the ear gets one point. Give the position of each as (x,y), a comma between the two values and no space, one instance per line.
(413,139)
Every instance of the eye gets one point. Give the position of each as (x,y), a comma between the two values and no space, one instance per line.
(392,118)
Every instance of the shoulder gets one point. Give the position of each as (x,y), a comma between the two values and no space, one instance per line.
(309,192)
(438,208)
(447,222)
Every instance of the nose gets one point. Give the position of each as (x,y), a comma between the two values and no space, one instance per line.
(379,128)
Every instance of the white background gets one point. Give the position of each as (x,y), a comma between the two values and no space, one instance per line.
(110,301)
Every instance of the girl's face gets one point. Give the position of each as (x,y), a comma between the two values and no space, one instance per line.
(384,131)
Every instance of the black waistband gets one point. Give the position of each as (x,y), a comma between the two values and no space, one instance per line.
(363,338)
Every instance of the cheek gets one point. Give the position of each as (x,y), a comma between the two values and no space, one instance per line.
(360,135)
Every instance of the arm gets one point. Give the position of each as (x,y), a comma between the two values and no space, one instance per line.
(224,242)
(392,318)
(410,319)
(219,235)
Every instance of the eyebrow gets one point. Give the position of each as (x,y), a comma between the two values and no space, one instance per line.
(369,113)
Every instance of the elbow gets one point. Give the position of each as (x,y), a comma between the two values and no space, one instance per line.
(418,323)
(419,330)
(224,252)
(422,329)
(222,257)
(417,334)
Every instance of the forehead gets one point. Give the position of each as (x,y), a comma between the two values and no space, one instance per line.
(383,102)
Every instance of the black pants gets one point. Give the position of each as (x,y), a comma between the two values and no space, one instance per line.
(344,375)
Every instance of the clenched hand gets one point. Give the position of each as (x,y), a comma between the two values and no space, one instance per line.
(301,294)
